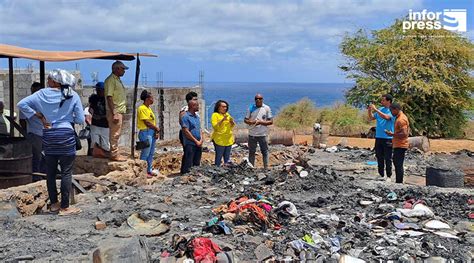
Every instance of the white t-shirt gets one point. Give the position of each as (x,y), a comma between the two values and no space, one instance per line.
(263,113)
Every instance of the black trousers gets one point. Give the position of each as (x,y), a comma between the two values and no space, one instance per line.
(191,157)
(398,159)
(383,152)
(66,163)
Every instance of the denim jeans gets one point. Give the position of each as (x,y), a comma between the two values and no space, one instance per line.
(148,153)
(262,141)
(398,159)
(37,147)
(222,151)
(66,162)
(191,157)
(383,152)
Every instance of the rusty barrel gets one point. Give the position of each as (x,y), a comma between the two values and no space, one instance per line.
(241,135)
(420,142)
(15,162)
(282,137)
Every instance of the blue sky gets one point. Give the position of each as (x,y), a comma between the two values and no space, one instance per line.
(234,41)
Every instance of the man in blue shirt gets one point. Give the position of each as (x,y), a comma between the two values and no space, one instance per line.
(34,128)
(383,142)
(193,139)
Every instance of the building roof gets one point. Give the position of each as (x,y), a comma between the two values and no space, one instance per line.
(9,51)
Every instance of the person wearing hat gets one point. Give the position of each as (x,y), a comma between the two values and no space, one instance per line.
(116,97)
(58,107)
(99,126)
(148,131)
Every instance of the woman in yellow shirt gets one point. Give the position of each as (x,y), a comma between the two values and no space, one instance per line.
(222,137)
(146,124)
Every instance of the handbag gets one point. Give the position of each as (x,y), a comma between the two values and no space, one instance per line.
(142,145)
(85,133)
(78,142)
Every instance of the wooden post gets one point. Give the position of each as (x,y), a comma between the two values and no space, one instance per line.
(12,97)
(42,81)
(134,105)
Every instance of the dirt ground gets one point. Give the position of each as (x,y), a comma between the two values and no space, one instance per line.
(436,145)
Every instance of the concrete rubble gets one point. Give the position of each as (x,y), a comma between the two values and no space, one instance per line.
(336,211)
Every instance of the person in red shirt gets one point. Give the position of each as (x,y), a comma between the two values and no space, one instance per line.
(400,139)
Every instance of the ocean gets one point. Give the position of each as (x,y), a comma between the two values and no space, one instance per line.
(240,95)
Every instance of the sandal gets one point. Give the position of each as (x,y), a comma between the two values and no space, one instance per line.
(69,211)
(54,208)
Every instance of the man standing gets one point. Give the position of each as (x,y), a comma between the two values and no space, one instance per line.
(34,129)
(99,125)
(400,140)
(116,107)
(383,141)
(259,117)
(193,139)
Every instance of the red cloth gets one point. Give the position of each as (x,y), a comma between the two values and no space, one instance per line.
(204,250)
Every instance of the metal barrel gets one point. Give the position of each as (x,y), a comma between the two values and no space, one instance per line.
(420,142)
(15,162)
(282,137)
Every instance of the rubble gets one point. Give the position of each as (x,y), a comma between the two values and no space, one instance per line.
(339,212)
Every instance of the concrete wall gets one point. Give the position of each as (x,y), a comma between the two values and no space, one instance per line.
(167,104)
(22,80)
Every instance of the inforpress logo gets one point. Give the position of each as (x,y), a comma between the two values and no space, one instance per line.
(455,20)
(449,19)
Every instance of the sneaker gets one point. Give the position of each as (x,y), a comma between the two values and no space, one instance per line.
(155,172)
(388,179)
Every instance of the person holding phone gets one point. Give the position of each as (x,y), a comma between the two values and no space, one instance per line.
(400,139)
(148,131)
(383,141)
(222,136)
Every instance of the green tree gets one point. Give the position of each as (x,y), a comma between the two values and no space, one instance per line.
(429,72)
(301,114)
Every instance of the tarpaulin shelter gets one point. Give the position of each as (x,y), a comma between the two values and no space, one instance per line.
(11,52)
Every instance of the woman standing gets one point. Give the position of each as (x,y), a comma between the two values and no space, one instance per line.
(148,132)
(222,137)
(58,107)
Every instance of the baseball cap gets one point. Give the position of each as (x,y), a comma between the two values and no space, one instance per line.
(119,64)
(100,85)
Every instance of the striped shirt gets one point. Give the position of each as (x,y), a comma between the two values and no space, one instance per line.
(59,141)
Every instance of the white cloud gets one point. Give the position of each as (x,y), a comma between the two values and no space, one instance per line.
(221,30)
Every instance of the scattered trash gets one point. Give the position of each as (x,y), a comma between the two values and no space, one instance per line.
(288,207)
(418,210)
(436,224)
(371,162)
(392,196)
(137,226)
(365,202)
(332,149)
(303,174)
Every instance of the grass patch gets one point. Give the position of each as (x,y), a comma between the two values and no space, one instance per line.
(343,119)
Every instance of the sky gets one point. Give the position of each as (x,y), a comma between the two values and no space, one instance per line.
(231,41)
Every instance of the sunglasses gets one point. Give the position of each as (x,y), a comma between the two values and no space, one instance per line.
(258,98)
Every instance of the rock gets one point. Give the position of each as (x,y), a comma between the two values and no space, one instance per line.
(435,260)
(262,252)
(99,225)
(8,211)
(121,250)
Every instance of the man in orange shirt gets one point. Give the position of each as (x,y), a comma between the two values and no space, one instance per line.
(400,139)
